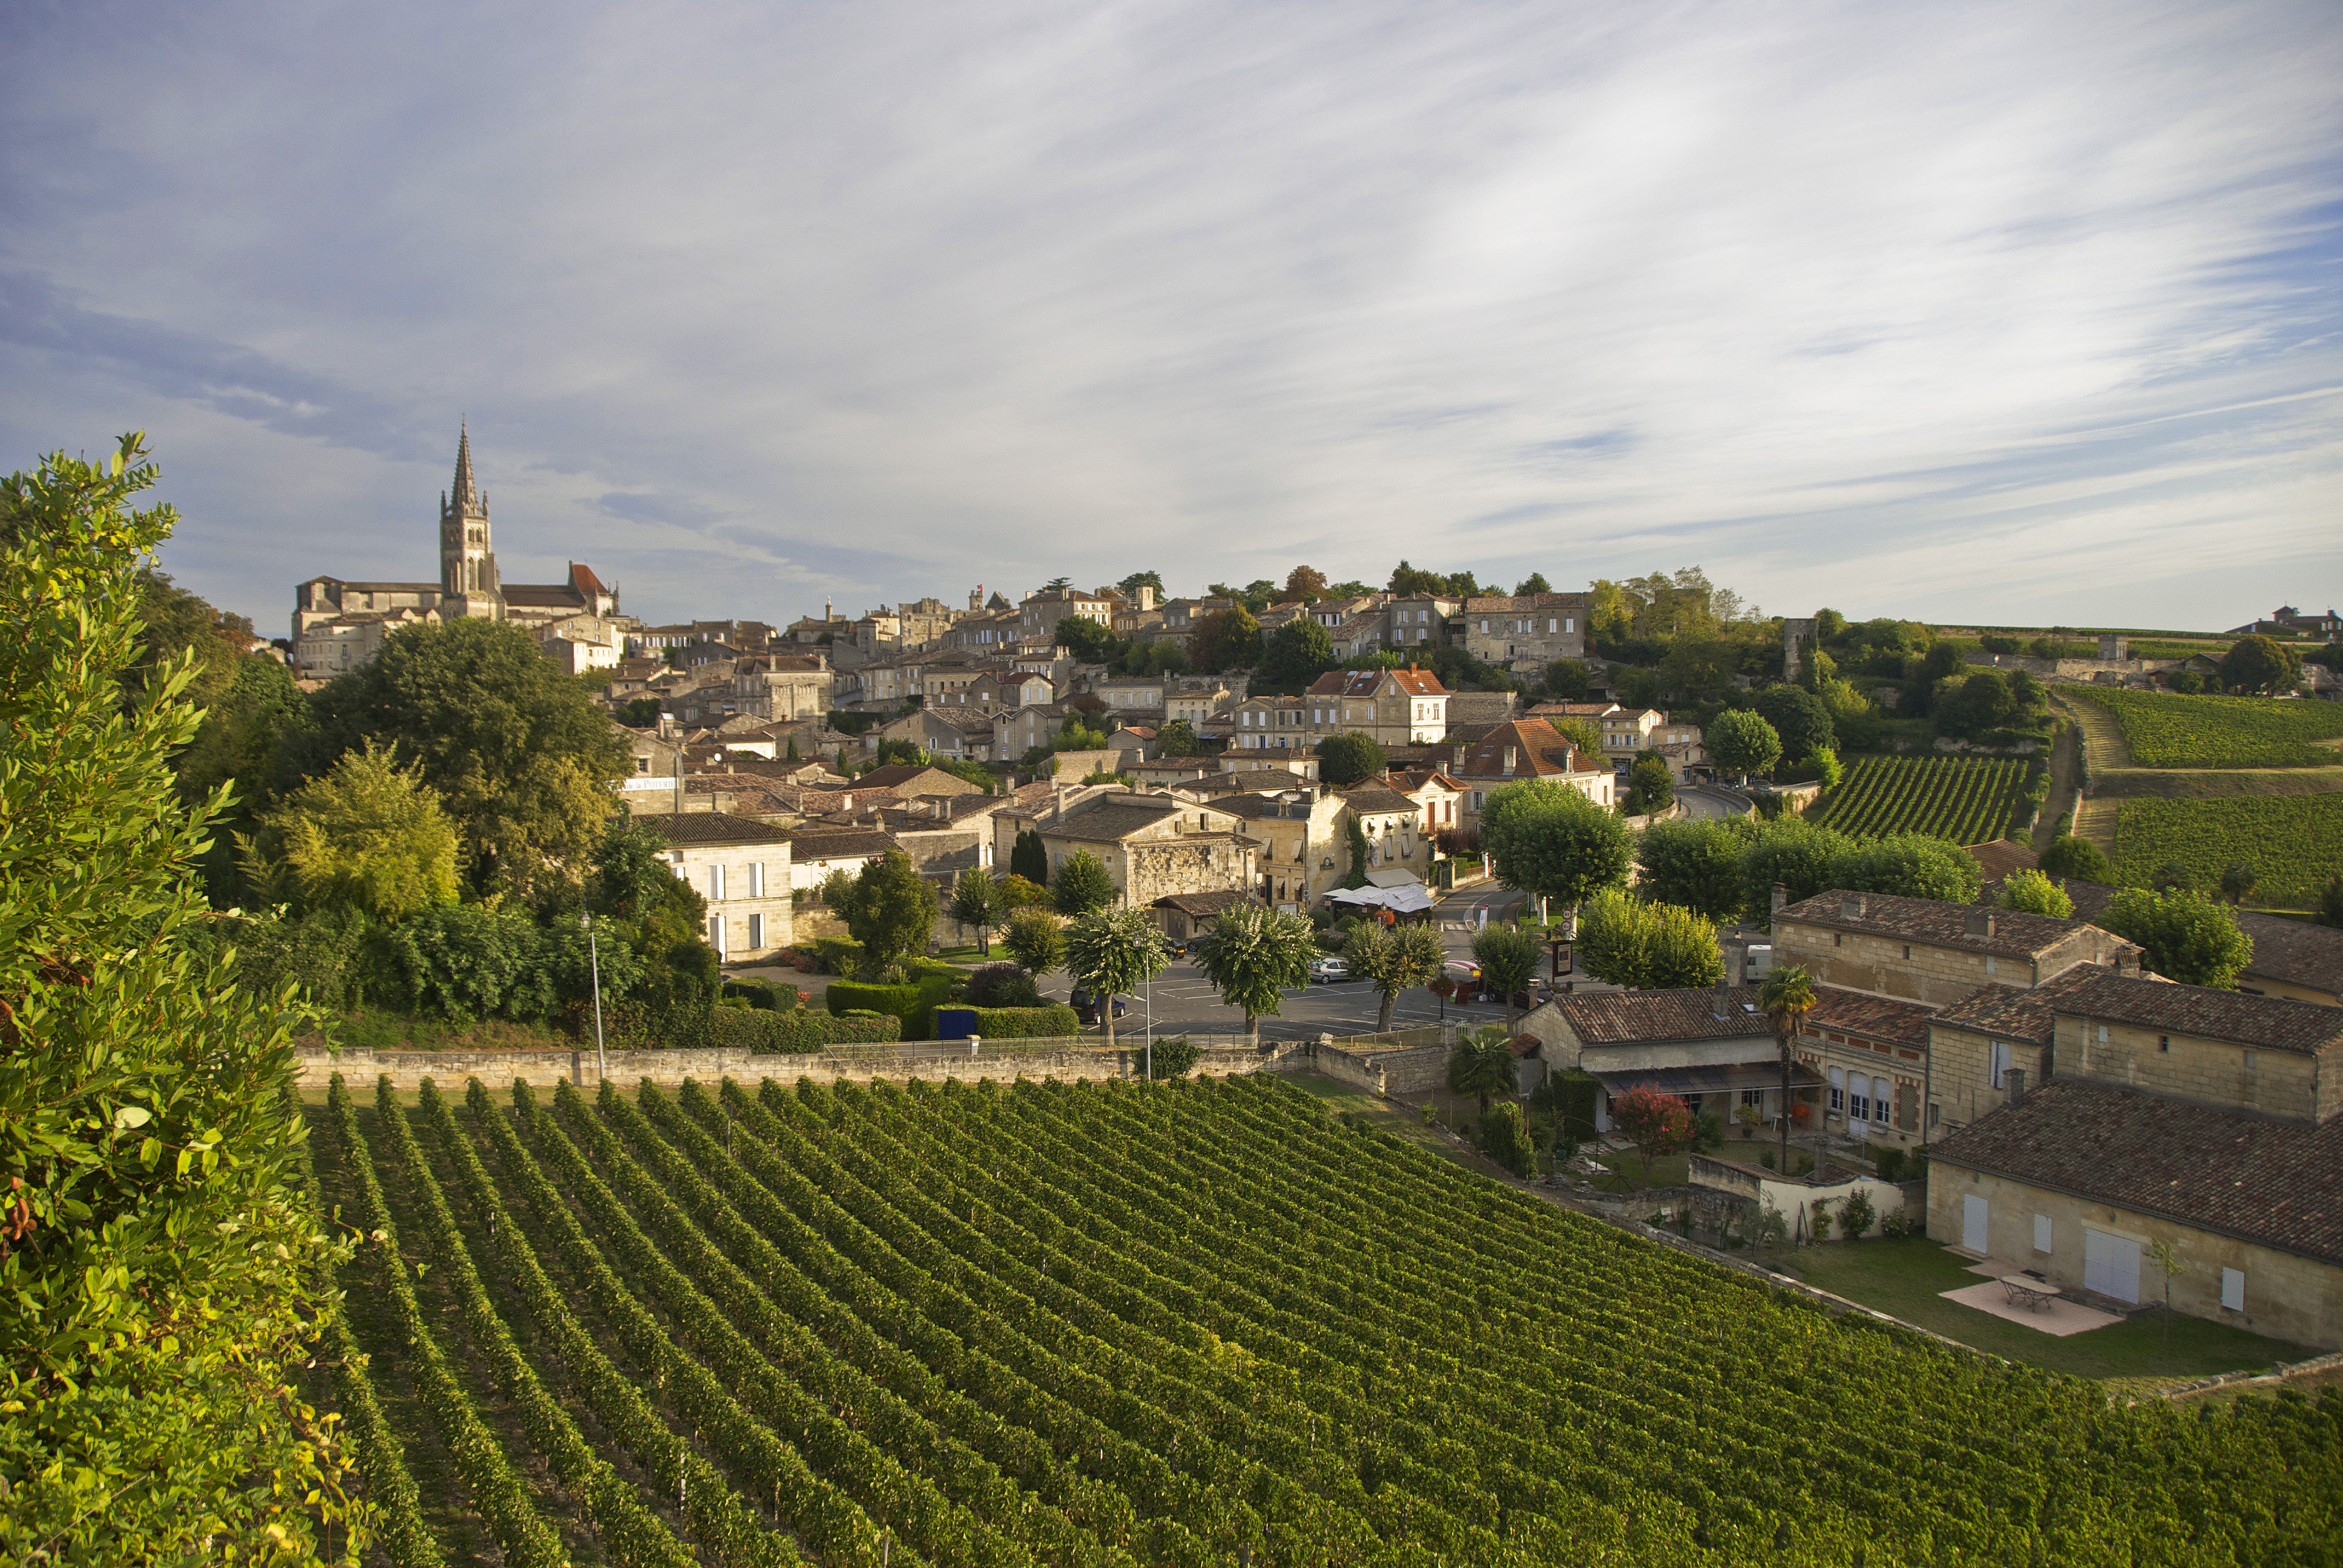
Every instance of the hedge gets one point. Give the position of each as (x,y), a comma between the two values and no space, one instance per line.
(914,1004)
(805,1031)
(837,955)
(1054,1021)
(776,996)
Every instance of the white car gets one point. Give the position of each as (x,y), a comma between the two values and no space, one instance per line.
(1327,970)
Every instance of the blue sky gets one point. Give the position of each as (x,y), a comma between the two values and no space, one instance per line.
(1997,312)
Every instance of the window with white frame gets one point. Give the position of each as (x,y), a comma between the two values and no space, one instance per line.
(1882,1101)
(2233,1289)
(1858,1103)
(1837,1090)
(756,930)
(716,934)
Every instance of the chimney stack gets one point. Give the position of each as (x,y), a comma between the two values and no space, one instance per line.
(1851,907)
(2015,1078)
(1781,899)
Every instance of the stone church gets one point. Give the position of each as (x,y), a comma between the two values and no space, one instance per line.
(339,625)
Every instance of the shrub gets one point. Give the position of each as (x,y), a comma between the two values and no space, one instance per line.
(1855,1216)
(1896,1225)
(1172,1057)
(764,995)
(1003,985)
(1504,1137)
(1891,1165)
(805,1031)
(1047,1020)
(837,955)
(1819,1222)
(913,1005)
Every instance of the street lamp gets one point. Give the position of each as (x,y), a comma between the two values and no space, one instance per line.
(594,963)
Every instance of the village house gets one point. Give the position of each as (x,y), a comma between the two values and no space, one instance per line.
(2205,1120)
(1304,852)
(1434,793)
(1182,917)
(1196,699)
(1151,844)
(1873,1053)
(1928,951)
(1525,632)
(1394,706)
(1708,1045)
(742,867)
(818,849)
(1043,610)
(783,686)
(1526,748)
(1270,724)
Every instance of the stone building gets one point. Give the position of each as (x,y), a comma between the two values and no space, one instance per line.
(1525,632)
(1708,1045)
(470,584)
(1151,844)
(1928,951)
(1394,706)
(1526,748)
(742,868)
(783,686)
(1304,853)
(1871,1051)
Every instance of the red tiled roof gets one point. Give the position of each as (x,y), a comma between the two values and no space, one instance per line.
(1539,752)
(2275,1183)
(1620,1018)
(2268,1022)
(1874,1017)
(1932,921)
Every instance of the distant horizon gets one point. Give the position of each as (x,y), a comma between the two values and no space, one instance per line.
(1983,312)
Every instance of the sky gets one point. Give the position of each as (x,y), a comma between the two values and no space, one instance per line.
(1981,312)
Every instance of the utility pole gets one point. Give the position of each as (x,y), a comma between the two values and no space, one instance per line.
(594,963)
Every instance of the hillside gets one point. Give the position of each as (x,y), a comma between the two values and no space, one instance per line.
(1190,1325)
(1967,799)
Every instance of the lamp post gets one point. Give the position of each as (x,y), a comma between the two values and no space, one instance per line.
(594,965)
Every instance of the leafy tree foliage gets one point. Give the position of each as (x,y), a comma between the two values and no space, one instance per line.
(1482,1064)
(1036,941)
(177,624)
(895,753)
(2187,937)
(1651,788)
(1177,738)
(2258,665)
(159,1258)
(1128,587)
(1344,759)
(1510,958)
(2032,893)
(976,901)
(1254,955)
(1795,854)
(1173,1057)
(522,759)
(1654,1122)
(2077,859)
(1567,680)
(2330,902)
(1695,863)
(1550,839)
(1400,959)
(1307,584)
(1084,884)
(368,835)
(1583,734)
(1225,639)
(1742,742)
(892,912)
(1506,1139)
(1624,941)
(242,732)
(1910,865)
(1297,653)
(1113,953)
(1799,719)
(1089,641)
(1533,583)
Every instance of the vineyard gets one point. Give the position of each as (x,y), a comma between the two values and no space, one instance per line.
(988,1327)
(1967,799)
(2173,732)
(2293,842)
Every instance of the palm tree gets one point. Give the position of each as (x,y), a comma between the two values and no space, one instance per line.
(1785,998)
(1482,1064)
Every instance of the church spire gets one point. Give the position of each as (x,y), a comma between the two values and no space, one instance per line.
(466,497)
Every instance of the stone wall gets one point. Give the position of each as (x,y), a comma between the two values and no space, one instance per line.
(2283,1084)
(2287,1296)
(1917,971)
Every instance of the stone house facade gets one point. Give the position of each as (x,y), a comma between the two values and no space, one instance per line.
(1153,846)
(1395,707)
(1871,1053)
(1526,748)
(783,686)
(1304,853)
(1271,724)
(1708,1045)
(1525,632)
(1928,951)
(742,867)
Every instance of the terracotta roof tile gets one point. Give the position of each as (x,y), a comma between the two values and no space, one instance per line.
(2271,1022)
(1619,1018)
(1877,1017)
(1929,921)
(2007,1012)
(711,828)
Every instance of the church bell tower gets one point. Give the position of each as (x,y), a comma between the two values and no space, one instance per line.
(470,583)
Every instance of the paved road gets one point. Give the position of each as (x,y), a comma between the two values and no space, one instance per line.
(1712,800)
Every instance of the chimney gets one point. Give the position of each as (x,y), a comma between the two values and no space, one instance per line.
(1716,1009)
(1509,758)
(1976,923)
(2015,1078)
(1781,897)
(1851,907)
(2128,965)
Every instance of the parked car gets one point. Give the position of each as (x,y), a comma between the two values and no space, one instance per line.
(1086,1006)
(1327,970)
(1465,976)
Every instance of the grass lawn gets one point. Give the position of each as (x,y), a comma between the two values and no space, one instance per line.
(1667,1170)
(1905,1277)
(1385,1115)
(972,954)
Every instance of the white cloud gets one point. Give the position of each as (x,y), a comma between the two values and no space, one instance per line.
(1938,311)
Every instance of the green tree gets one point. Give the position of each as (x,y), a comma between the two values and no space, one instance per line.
(2032,893)
(1910,865)
(1533,583)
(1695,863)
(368,835)
(1583,734)
(1238,645)
(1551,840)
(1793,853)
(1297,653)
(2186,936)
(976,901)
(1112,953)
(2238,880)
(1400,959)
(1128,587)
(1409,582)
(2260,664)
(1036,941)
(894,753)
(1651,788)
(1088,641)
(1625,942)
(1799,719)
(1509,957)
(1481,1065)
(1177,738)
(2330,901)
(1307,584)
(1986,702)
(1742,742)
(162,1281)
(1169,1059)
(1785,998)
(2077,859)
(638,712)
(1028,859)
(892,914)
(1567,681)
(522,759)
(1344,759)
(178,623)
(1506,1139)
(1655,1123)
(1082,884)
(1252,955)
(242,732)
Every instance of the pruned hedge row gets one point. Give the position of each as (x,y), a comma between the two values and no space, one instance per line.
(914,1005)
(1055,1022)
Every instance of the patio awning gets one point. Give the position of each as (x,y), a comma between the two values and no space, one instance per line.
(1727,1079)
(1404,900)
(1394,877)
